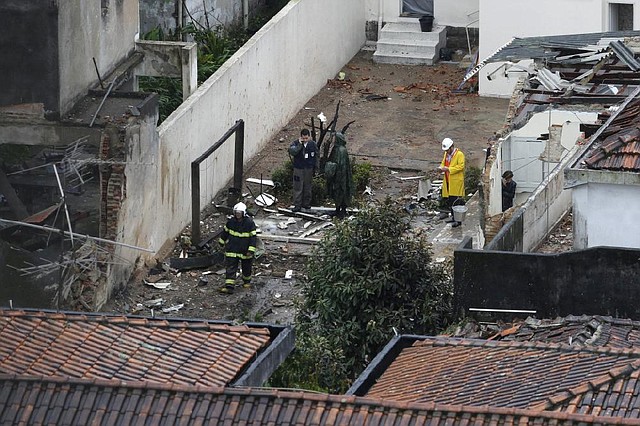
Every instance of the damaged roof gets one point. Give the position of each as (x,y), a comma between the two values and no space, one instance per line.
(583,330)
(617,147)
(568,48)
(524,375)
(101,346)
(52,400)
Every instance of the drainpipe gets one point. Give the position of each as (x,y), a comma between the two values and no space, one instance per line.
(245,13)
(180,18)
(380,17)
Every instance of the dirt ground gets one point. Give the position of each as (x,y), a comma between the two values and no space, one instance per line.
(401,115)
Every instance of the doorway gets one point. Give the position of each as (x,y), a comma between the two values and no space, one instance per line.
(416,8)
(620,17)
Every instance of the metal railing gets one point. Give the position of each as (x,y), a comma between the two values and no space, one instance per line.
(238,129)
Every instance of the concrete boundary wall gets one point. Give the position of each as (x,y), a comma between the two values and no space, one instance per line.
(542,211)
(599,280)
(265,83)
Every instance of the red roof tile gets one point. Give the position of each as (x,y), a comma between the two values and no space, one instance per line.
(586,330)
(508,374)
(78,345)
(55,400)
(618,147)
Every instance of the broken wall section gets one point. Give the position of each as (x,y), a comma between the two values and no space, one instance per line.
(47,48)
(129,179)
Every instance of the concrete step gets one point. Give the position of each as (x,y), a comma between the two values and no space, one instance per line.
(404,43)
(404,59)
(409,31)
(420,47)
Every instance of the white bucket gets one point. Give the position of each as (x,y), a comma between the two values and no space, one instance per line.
(459,213)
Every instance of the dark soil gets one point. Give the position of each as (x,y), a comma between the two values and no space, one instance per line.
(401,131)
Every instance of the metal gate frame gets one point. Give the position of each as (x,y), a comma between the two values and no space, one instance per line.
(238,159)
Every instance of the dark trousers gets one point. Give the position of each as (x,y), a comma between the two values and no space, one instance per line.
(302,182)
(453,200)
(231,264)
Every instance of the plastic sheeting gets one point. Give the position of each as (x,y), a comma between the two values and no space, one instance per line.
(417,7)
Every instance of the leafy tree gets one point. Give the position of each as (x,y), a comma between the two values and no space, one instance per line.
(367,277)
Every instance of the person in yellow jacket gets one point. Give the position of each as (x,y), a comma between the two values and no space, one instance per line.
(452,166)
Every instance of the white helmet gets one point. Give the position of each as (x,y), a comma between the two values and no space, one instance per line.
(446,144)
(240,207)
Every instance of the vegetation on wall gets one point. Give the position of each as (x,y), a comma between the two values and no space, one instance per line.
(215,46)
(368,279)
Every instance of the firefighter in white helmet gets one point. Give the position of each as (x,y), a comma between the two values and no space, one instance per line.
(239,241)
(452,166)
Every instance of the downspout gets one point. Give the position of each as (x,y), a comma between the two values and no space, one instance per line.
(380,5)
(245,13)
(180,19)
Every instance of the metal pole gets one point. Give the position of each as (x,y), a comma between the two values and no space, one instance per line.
(239,157)
(195,202)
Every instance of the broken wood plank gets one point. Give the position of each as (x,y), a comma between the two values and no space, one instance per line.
(289,239)
(266,182)
(198,262)
(300,214)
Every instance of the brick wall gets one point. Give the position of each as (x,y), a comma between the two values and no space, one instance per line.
(112,180)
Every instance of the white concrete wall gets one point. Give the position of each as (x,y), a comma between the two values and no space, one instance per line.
(87,31)
(606,215)
(508,150)
(459,13)
(265,83)
(546,206)
(539,124)
(501,20)
(446,12)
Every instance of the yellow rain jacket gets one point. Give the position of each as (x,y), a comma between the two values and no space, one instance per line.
(453,184)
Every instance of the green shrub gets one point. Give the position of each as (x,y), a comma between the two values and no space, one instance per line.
(472,176)
(318,191)
(367,277)
(361,173)
(282,177)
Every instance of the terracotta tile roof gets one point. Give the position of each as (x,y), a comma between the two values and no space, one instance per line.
(76,345)
(520,375)
(54,400)
(585,330)
(618,147)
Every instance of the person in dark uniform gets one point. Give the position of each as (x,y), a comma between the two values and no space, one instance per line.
(303,151)
(508,190)
(239,241)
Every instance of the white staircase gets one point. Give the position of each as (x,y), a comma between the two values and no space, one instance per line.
(404,43)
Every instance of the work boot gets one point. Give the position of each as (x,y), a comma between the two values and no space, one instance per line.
(296,209)
(443,215)
(226,289)
(456,224)
(246,285)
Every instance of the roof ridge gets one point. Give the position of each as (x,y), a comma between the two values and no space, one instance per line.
(327,398)
(511,344)
(597,382)
(132,320)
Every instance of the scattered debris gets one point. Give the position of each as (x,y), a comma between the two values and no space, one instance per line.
(376,97)
(196,262)
(288,275)
(153,303)
(174,308)
(158,285)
